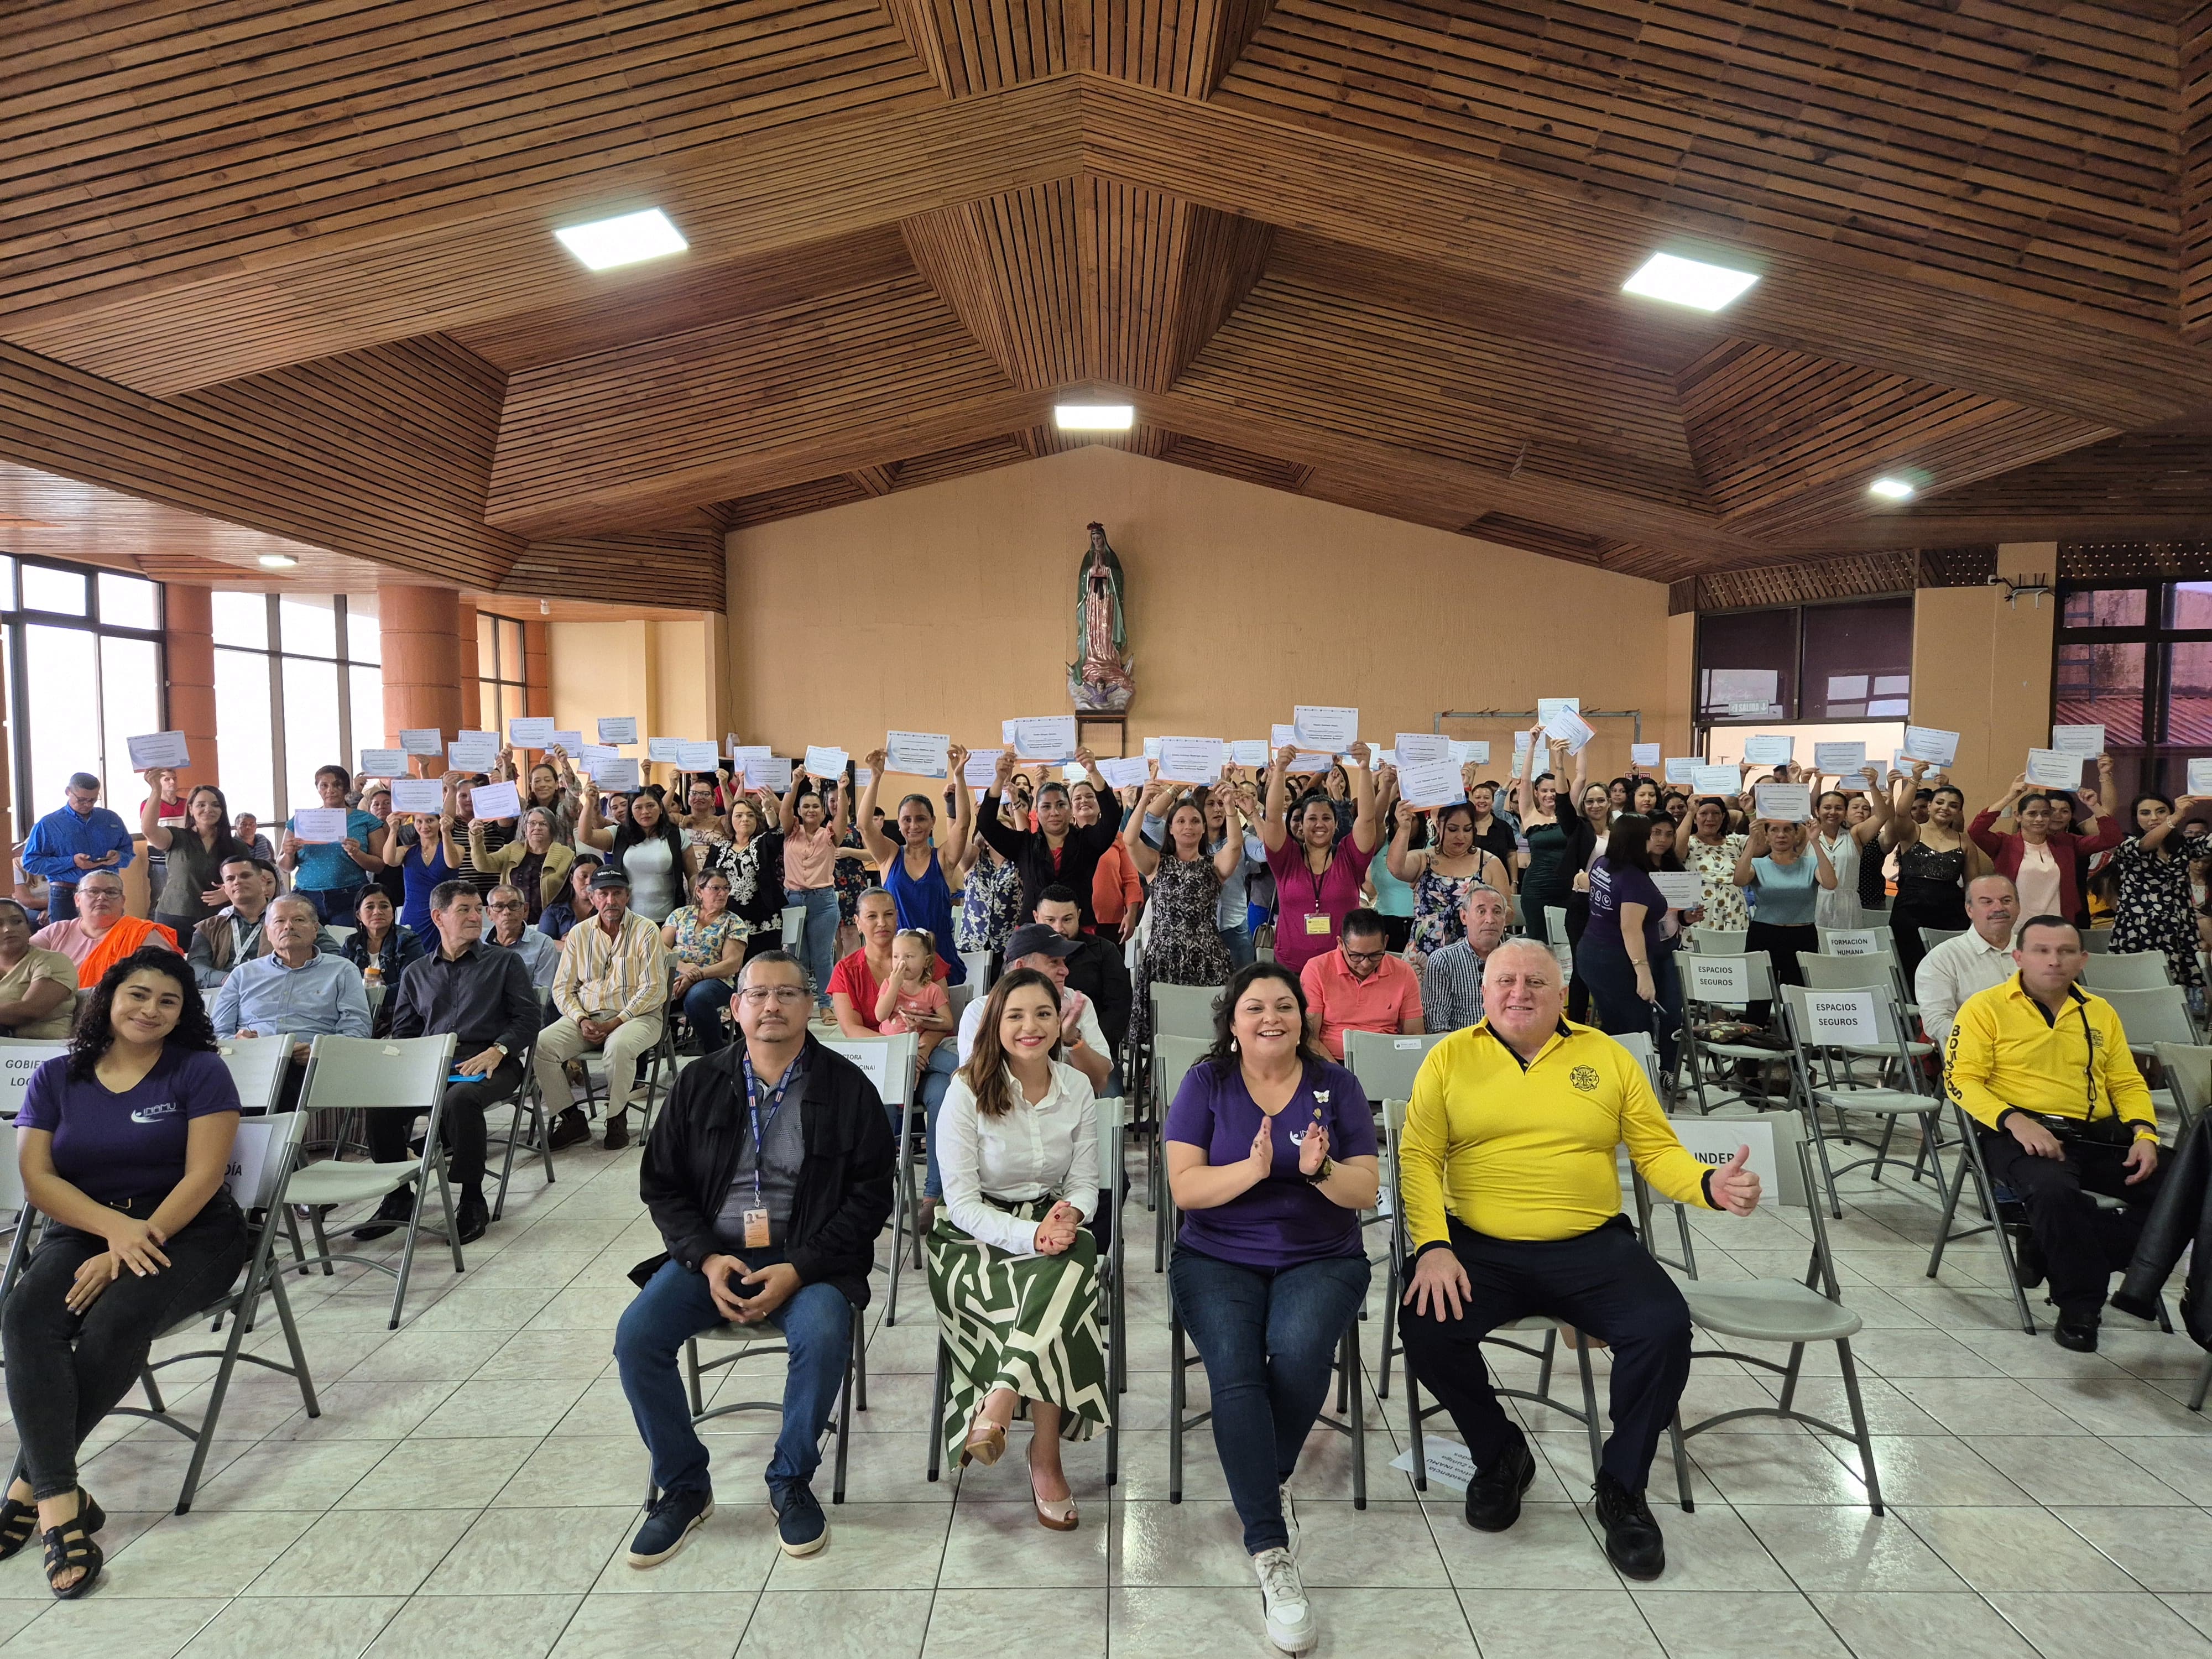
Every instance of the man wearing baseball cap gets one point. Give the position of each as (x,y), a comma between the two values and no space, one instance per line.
(1033,944)
(610,991)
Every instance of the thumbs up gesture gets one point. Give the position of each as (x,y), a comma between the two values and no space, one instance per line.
(1735,1188)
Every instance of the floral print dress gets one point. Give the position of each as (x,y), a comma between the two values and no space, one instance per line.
(1725,910)
(2154,910)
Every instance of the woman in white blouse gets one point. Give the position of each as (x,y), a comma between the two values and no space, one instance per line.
(1012,1267)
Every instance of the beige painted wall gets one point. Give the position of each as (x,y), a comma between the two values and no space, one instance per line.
(671,675)
(1982,668)
(952,607)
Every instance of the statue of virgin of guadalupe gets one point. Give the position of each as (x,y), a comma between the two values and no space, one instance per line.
(1100,681)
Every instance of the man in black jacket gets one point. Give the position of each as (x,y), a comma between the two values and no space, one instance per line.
(769,1176)
(1094,968)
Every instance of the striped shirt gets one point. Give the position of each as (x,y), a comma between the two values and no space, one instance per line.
(1451,987)
(627,974)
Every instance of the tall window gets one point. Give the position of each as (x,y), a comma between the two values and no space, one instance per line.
(80,652)
(298,684)
(499,671)
(2138,660)
(1851,661)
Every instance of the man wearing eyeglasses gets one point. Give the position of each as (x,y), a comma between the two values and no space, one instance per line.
(1360,987)
(509,912)
(768,1174)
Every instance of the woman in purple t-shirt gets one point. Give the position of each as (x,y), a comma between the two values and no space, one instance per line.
(1317,876)
(1623,955)
(125,1143)
(1271,1157)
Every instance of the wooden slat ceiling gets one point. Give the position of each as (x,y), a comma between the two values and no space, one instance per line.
(291,269)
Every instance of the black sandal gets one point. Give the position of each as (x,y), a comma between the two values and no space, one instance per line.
(69,1545)
(17,1522)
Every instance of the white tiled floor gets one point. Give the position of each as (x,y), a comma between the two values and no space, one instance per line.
(467,1492)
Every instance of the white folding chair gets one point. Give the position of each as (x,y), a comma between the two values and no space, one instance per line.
(978,970)
(1713,941)
(890,1063)
(20,1059)
(1828,1030)
(2129,970)
(1386,1062)
(794,926)
(2188,1069)
(1184,1010)
(1778,1311)
(256,1066)
(1172,1056)
(373,1074)
(2150,1017)
(2097,940)
(1719,982)
(261,1162)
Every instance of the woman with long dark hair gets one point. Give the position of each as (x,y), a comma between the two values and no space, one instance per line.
(1317,876)
(1557,838)
(192,884)
(913,868)
(1934,862)
(1183,942)
(2153,911)
(125,1143)
(382,950)
(1447,863)
(1623,955)
(1270,1149)
(1013,1267)
(648,849)
(750,855)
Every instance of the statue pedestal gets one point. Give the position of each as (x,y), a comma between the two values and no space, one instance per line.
(1119,722)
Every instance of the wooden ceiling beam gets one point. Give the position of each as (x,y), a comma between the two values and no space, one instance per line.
(2196,141)
(1183,47)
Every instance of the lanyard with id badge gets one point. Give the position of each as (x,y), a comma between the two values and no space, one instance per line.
(1317,919)
(757,1215)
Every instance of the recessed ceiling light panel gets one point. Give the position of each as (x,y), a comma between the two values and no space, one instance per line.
(606,243)
(1094,418)
(1690,283)
(277,562)
(1892,489)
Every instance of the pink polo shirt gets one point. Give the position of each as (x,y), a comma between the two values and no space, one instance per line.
(1383,1001)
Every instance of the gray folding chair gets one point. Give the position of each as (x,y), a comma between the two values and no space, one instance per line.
(979,971)
(1184,1010)
(2188,1070)
(1714,941)
(890,1062)
(1718,982)
(1831,1033)
(1776,1310)
(1171,1057)
(1932,937)
(761,1341)
(1854,942)
(1393,1122)
(256,1066)
(1386,1062)
(261,1163)
(2097,941)
(20,1059)
(1969,1166)
(374,1074)
(2153,1017)
(526,1129)
(794,926)
(2129,970)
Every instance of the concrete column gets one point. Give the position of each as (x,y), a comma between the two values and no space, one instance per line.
(422,677)
(189,658)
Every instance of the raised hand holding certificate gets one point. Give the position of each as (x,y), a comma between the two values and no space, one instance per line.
(822,761)
(2084,740)
(1726,782)
(320,825)
(1430,784)
(158,748)
(1570,728)
(473,752)
(769,772)
(496,801)
(1769,748)
(424,740)
(920,754)
(1927,743)
(1784,803)
(384,762)
(701,754)
(418,795)
(1644,754)
(531,731)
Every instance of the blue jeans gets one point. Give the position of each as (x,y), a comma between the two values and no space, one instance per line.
(702,1006)
(1611,977)
(1239,941)
(675,1306)
(333,904)
(1268,1337)
(935,1077)
(818,944)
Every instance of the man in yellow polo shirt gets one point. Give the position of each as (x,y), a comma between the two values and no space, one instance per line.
(1520,1117)
(2043,1067)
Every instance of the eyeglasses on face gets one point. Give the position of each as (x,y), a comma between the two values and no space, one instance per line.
(504,904)
(755,996)
(1351,955)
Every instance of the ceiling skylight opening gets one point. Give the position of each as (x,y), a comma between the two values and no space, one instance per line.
(1890,489)
(1094,418)
(604,244)
(1690,283)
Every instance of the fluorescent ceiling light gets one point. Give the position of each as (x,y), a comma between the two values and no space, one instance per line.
(1891,490)
(277,562)
(1094,418)
(606,243)
(1688,282)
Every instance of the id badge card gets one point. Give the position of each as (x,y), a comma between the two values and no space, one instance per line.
(1318,922)
(756,1230)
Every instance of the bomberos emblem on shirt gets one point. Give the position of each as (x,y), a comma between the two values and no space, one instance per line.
(1584,1078)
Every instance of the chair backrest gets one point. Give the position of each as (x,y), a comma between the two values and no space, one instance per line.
(1386,1063)
(11,1190)
(344,1074)
(2188,1068)
(978,970)
(2097,941)
(1932,937)
(2129,970)
(1639,1044)
(1776,1139)
(889,1061)
(257,1067)
(341,934)
(1728,981)
(1555,923)
(1826,973)
(1854,941)
(20,1057)
(1112,1112)
(2153,1017)
(262,1156)
(1851,1017)
(1513,912)
(1171,1057)
(1714,941)
(1184,1010)
(957,997)
(794,924)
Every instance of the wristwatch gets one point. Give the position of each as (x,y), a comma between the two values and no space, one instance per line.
(502,1048)
(1328,1168)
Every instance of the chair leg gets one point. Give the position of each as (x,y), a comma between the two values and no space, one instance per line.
(1348,1358)
(322,1240)
(1589,1404)
(1681,1464)
(284,1321)
(1390,1303)
(1176,1391)
(407,1251)
(1544,1367)
(691,1378)
(1413,1431)
(2203,1382)
(292,1232)
(1859,1424)
(937,1410)
(845,1416)
(859,1362)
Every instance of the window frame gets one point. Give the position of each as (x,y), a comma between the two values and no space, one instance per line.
(2162,763)
(341,667)
(498,680)
(1702,725)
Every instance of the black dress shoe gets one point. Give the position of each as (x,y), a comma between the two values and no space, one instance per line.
(471,1215)
(1632,1539)
(391,1215)
(569,1128)
(617,1131)
(2076,1331)
(1493,1496)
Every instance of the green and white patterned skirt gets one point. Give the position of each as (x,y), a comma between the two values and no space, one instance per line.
(1029,1323)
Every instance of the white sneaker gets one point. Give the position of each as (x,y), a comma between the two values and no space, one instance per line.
(1291,1624)
(1290,1515)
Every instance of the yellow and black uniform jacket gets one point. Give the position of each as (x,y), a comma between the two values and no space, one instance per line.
(2008,1053)
(1529,1151)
